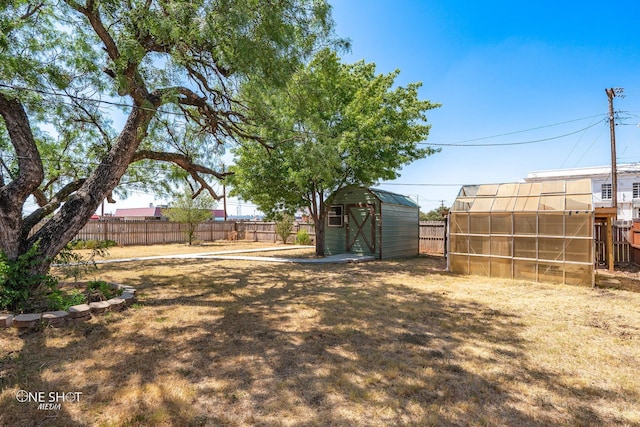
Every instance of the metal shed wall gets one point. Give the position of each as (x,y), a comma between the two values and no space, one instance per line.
(400,231)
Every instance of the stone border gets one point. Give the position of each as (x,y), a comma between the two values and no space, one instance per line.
(73,316)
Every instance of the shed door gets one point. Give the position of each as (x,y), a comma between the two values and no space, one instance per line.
(361,232)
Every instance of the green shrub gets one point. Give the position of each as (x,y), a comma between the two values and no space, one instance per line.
(75,265)
(58,300)
(284,226)
(20,290)
(303,238)
(99,290)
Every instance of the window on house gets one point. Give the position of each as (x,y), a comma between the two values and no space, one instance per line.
(606,191)
(636,190)
(336,216)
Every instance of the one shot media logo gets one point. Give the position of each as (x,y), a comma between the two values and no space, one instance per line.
(48,401)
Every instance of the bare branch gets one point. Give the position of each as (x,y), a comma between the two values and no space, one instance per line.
(180,160)
(195,170)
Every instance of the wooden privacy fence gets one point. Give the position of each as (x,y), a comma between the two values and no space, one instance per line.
(128,233)
(432,237)
(432,234)
(621,247)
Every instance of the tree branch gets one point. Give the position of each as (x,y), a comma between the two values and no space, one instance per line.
(186,163)
(30,169)
(51,205)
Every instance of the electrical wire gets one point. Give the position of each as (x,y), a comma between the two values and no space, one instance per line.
(464,143)
(502,144)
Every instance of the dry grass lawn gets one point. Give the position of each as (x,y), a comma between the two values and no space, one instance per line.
(235,343)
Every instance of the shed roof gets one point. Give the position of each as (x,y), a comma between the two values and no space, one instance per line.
(389,197)
(557,195)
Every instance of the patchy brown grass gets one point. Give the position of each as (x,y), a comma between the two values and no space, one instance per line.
(384,343)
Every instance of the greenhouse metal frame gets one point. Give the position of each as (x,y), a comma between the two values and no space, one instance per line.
(531,231)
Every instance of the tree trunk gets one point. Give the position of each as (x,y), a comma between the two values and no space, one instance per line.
(320,228)
(318,219)
(64,225)
(30,175)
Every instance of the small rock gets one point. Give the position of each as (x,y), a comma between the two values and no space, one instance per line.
(128,297)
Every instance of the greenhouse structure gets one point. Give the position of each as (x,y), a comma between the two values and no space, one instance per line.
(531,231)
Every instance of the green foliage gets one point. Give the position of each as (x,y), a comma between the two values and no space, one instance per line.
(303,238)
(284,226)
(20,288)
(99,290)
(73,264)
(333,125)
(173,69)
(191,210)
(435,214)
(57,300)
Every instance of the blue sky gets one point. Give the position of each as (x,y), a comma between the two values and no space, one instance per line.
(529,71)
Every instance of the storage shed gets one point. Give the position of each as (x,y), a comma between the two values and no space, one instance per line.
(533,231)
(371,221)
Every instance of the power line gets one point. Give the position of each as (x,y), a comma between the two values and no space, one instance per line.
(464,143)
(500,144)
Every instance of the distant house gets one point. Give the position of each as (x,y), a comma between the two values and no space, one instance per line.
(601,185)
(154,213)
(139,214)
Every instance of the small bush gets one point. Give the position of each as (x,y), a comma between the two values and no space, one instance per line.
(303,238)
(57,300)
(99,290)
(75,265)
(284,226)
(19,290)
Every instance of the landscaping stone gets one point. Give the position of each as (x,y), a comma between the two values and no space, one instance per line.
(128,297)
(6,320)
(99,307)
(26,321)
(55,318)
(116,303)
(76,314)
(79,311)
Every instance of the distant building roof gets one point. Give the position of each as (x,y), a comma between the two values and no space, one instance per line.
(586,172)
(155,212)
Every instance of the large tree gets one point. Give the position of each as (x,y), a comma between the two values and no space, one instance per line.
(96,95)
(333,125)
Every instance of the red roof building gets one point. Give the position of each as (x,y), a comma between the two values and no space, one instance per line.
(139,214)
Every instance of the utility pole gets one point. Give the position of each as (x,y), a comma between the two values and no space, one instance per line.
(612,93)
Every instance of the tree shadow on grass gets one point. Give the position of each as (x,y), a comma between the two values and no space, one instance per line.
(219,343)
